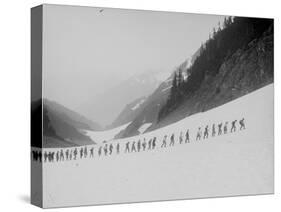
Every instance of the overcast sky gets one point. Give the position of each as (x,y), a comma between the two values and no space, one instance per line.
(87,50)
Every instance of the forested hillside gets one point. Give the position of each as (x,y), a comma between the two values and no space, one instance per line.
(236,36)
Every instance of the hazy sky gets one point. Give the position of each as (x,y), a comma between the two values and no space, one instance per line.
(86,50)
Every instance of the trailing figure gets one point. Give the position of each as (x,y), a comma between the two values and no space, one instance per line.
(92,152)
(187,136)
(81,153)
(50,156)
(61,155)
(100,151)
(75,152)
(225,128)
(53,156)
(70,155)
(85,152)
(172,142)
(181,138)
(45,156)
(154,143)
(164,142)
(242,124)
(213,130)
(66,154)
(139,145)
(134,147)
(118,148)
(150,144)
(58,156)
(127,148)
(206,132)
(199,134)
(233,126)
(144,145)
(105,150)
(110,149)
(220,129)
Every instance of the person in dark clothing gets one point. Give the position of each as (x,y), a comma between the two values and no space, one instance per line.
(149,144)
(213,130)
(53,156)
(199,134)
(100,151)
(139,145)
(187,136)
(164,142)
(181,138)
(206,132)
(127,149)
(134,147)
(66,154)
(50,156)
(57,156)
(81,152)
(75,153)
(110,149)
(118,148)
(242,124)
(220,129)
(85,152)
(105,149)
(61,155)
(225,128)
(172,140)
(40,156)
(70,155)
(92,152)
(143,144)
(45,156)
(233,126)
(154,143)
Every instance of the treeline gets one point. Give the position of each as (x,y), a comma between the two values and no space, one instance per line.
(235,33)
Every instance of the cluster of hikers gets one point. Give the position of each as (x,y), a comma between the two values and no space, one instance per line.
(108,149)
(221,128)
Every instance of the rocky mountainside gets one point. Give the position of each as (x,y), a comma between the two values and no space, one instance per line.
(246,70)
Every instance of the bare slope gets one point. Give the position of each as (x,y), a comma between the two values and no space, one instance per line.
(239,163)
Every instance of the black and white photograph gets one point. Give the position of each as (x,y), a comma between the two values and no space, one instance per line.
(137,106)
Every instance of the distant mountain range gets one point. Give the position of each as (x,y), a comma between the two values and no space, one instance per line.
(147,111)
(106,107)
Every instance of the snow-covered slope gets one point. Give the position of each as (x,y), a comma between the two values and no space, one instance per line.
(106,135)
(238,163)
